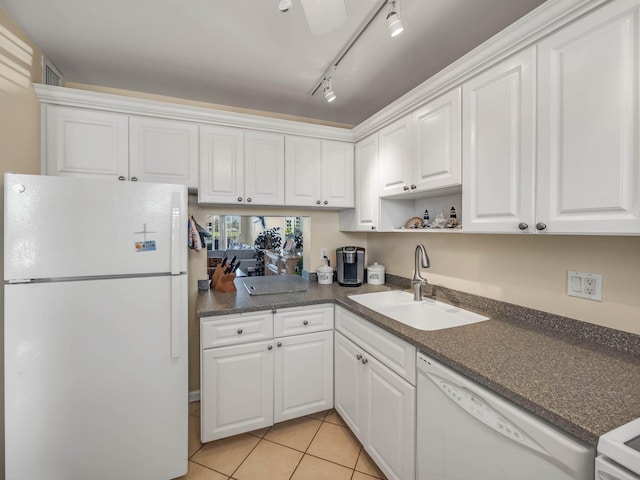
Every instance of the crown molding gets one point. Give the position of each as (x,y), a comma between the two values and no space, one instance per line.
(72,97)
(527,31)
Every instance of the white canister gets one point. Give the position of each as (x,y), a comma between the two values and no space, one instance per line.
(325,275)
(375,274)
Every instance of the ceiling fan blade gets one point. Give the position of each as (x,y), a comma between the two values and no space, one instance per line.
(324,16)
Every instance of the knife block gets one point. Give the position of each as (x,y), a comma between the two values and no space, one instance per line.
(225,284)
(218,273)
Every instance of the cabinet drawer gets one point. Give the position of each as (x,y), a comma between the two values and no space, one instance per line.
(294,321)
(396,354)
(235,329)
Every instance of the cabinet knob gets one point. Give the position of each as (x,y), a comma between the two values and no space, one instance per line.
(373,227)
(239,199)
(317,202)
(279,344)
(523,226)
(358,357)
(541,226)
(306,322)
(239,331)
(270,347)
(134,179)
(326,202)
(121,178)
(413,187)
(405,188)
(274,311)
(249,200)
(365,361)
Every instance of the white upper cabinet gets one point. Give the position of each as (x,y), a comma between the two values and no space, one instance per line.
(221,165)
(264,168)
(367,201)
(498,116)
(588,105)
(86,143)
(394,160)
(319,173)
(163,151)
(303,183)
(421,152)
(241,167)
(98,144)
(436,143)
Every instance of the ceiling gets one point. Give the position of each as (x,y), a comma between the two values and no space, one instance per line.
(248,54)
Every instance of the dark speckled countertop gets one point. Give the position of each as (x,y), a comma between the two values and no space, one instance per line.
(574,382)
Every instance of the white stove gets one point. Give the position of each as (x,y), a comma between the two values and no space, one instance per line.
(619,453)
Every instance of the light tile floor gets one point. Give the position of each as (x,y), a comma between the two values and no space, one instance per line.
(317,447)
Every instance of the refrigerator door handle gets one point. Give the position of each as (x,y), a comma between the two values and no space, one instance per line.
(175,233)
(176,317)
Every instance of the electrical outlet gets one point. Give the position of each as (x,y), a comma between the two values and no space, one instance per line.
(323,253)
(584,285)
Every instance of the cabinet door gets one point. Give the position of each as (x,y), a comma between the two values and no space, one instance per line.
(303,375)
(303,175)
(588,105)
(348,382)
(499,147)
(367,201)
(236,390)
(264,168)
(437,136)
(163,151)
(86,143)
(395,157)
(390,414)
(221,165)
(337,174)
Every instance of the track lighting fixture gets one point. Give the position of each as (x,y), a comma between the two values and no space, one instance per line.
(394,24)
(327,90)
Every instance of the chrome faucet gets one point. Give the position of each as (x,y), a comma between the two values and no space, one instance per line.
(421,258)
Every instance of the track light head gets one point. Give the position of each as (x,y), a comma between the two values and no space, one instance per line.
(394,23)
(327,90)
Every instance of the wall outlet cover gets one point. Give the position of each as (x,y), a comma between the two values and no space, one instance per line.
(584,285)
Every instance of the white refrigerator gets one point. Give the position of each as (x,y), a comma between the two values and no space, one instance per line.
(95,329)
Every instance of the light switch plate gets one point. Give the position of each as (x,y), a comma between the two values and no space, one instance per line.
(584,285)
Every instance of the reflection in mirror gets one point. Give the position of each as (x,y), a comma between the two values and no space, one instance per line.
(262,245)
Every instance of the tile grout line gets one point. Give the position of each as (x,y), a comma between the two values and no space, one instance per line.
(260,439)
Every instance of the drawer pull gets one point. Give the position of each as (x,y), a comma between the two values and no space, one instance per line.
(239,331)
(306,322)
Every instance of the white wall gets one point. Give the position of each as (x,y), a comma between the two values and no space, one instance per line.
(19,134)
(528,270)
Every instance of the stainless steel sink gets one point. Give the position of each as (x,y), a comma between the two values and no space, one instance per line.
(424,315)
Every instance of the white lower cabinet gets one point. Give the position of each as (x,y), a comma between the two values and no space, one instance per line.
(377,404)
(249,379)
(303,375)
(236,389)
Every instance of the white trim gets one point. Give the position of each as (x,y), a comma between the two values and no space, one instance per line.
(74,97)
(525,32)
(194,396)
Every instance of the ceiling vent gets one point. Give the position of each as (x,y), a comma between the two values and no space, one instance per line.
(50,74)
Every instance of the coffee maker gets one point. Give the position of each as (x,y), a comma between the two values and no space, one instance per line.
(350,268)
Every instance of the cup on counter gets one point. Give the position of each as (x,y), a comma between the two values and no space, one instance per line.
(325,275)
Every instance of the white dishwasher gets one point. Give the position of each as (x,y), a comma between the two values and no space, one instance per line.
(466,432)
